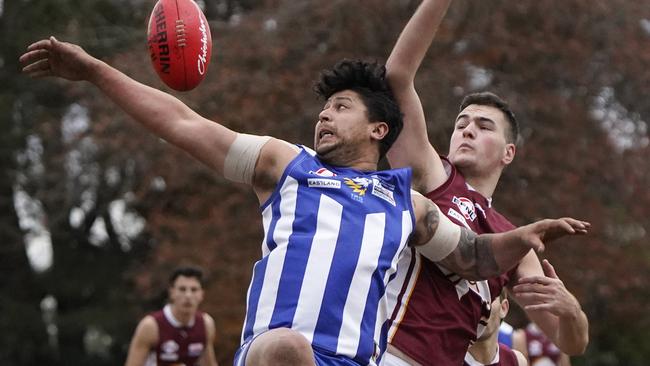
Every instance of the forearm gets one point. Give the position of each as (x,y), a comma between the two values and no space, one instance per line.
(573,333)
(414,41)
(164,115)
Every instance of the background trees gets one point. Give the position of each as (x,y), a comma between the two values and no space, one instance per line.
(115,209)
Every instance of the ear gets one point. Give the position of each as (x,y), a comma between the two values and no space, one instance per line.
(509,154)
(505,307)
(378,130)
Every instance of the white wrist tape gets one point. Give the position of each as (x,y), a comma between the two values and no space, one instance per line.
(239,165)
(444,240)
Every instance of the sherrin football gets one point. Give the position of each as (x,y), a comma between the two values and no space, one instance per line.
(180,43)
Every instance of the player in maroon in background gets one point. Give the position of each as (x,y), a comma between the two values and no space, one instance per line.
(179,334)
(438,314)
(487,351)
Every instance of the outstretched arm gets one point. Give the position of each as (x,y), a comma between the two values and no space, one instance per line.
(412,147)
(479,257)
(553,308)
(161,113)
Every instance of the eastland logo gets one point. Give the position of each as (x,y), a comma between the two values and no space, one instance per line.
(203,56)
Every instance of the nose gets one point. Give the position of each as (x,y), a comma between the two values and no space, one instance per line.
(324,116)
(469,131)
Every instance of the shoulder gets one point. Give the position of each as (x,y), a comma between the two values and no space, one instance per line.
(210,328)
(147,330)
(521,359)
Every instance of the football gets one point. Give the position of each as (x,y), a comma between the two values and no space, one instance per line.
(180,43)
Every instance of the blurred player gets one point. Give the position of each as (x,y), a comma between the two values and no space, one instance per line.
(179,334)
(487,350)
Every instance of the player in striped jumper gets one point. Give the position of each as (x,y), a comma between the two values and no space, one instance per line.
(334,227)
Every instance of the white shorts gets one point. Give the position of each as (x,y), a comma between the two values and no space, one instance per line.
(392,360)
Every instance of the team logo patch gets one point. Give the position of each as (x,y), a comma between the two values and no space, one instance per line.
(383,191)
(466,207)
(323,183)
(358,185)
(195,349)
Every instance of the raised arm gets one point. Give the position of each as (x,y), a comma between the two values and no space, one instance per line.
(551,306)
(412,147)
(161,113)
(479,257)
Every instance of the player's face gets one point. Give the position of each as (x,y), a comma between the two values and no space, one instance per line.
(342,126)
(186,294)
(478,144)
(498,311)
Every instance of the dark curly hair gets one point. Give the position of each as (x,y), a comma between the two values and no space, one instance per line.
(368,79)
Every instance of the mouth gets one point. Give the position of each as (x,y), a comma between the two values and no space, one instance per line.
(323,134)
(465,146)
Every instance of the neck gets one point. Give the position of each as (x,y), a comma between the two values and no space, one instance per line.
(348,158)
(484,184)
(183,317)
(484,350)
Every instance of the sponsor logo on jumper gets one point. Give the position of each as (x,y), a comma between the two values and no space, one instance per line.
(466,207)
(323,172)
(159,41)
(323,183)
(453,214)
(169,351)
(195,349)
(382,191)
(203,56)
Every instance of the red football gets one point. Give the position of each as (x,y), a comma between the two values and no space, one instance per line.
(180,43)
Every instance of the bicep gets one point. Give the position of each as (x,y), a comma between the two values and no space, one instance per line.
(412,147)
(143,341)
(208,358)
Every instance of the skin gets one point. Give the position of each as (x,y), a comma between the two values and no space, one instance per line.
(343,137)
(185,296)
(486,347)
(479,148)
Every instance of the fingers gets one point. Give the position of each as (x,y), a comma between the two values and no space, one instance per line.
(32,56)
(42,44)
(549,270)
(580,227)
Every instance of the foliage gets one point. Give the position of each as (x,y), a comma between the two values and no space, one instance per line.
(575,73)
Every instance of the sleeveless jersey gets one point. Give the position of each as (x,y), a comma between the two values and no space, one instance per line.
(541,350)
(332,239)
(178,344)
(437,314)
(505,357)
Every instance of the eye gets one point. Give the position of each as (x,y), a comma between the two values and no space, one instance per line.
(341,106)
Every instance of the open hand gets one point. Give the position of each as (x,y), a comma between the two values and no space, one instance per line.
(50,57)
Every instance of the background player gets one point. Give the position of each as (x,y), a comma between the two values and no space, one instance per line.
(487,350)
(179,334)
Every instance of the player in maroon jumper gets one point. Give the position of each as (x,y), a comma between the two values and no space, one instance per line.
(487,351)
(179,334)
(439,313)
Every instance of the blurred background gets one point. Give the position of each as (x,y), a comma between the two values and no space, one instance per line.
(95,212)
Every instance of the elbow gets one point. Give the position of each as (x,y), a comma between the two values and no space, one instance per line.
(398,77)
(579,348)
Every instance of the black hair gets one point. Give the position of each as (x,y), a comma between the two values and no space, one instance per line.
(186,271)
(493,100)
(368,79)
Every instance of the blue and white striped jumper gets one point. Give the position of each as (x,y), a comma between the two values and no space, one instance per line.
(332,239)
